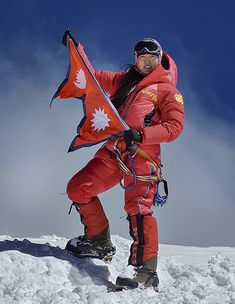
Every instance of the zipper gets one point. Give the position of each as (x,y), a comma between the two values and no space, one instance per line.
(130,104)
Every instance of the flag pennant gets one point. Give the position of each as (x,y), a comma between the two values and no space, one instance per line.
(101,120)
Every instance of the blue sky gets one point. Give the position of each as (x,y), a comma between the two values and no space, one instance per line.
(199,166)
(198,35)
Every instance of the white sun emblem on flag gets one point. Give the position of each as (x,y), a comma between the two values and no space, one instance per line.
(100,120)
(80,79)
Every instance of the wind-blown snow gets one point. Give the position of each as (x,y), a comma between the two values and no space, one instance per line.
(40,271)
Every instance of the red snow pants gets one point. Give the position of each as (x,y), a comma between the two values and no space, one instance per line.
(102,173)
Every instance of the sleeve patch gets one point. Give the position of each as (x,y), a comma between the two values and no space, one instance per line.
(179,98)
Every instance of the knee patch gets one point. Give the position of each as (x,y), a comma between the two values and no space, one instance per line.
(79,189)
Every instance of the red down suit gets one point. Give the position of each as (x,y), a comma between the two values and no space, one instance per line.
(155,91)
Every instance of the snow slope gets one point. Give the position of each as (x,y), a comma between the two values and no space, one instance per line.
(40,271)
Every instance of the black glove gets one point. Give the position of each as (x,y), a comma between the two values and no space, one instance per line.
(130,136)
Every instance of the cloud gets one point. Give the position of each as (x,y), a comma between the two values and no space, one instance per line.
(200,171)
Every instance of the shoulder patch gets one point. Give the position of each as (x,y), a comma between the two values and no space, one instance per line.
(179,98)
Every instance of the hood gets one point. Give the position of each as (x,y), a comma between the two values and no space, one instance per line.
(166,72)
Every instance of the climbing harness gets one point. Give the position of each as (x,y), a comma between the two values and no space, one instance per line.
(131,155)
(159,199)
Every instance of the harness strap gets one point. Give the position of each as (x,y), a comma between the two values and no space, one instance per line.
(133,174)
(145,155)
(126,170)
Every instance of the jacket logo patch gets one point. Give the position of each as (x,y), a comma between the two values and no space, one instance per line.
(179,98)
(151,94)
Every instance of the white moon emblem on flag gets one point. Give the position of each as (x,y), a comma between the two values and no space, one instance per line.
(100,120)
(80,79)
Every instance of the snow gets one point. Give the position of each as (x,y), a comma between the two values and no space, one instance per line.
(38,270)
(129,272)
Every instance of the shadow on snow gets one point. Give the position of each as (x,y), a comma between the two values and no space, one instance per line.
(99,274)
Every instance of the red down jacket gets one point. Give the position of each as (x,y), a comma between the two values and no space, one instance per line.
(158,90)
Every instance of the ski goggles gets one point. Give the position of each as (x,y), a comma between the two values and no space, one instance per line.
(148,47)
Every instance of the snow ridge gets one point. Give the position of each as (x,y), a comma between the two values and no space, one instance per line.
(36,271)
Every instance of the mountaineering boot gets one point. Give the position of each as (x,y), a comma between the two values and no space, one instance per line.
(100,246)
(142,276)
(147,274)
(96,241)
